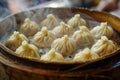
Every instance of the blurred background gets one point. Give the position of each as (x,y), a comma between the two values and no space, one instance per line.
(8,7)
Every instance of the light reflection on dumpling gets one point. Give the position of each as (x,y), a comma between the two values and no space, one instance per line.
(103,46)
(28,51)
(53,56)
(43,38)
(102,30)
(62,29)
(15,40)
(29,28)
(76,21)
(65,45)
(50,22)
(83,37)
(85,55)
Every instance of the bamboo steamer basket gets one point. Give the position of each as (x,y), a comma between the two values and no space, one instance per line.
(13,67)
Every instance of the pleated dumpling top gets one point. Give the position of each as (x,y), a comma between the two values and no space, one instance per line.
(65,45)
(102,30)
(85,55)
(43,38)
(104,46)
(62,29)
(52,56)
(28,51)
(50,21)
(29,28)
(76,21)
(83,37)
(15,40)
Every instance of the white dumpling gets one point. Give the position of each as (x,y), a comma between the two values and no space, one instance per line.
(85,55)
(43,38)
(28,51)
(83,37)
(76,21)
(65,45)
(102,30)
(103,46)
(52,56)
(29,28)
(50,21)
(62,29)
(15,40)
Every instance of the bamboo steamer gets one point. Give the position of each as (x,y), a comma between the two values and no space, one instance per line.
(13,67)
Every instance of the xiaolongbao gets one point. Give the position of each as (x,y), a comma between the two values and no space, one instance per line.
(102,30)
(43,38)
(52,56)
(28,51)
(103,46)
(83,37)
(50,22)
(29,28)
(15,40)
(62,29)
(76,21)
(64,45)
(85,55)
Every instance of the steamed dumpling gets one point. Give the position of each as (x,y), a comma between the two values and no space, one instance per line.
(83,37)
(15,40)
(102,30)
(52,56)
(29,28)
(85,55)
(103,46)
(50,21)
(64,45)
(28,51)
(43,38)
(76,21)
(62,29)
